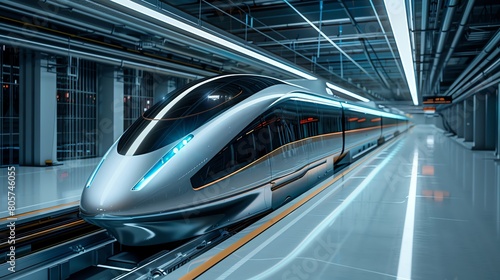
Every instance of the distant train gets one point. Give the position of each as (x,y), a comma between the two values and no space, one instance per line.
(221,150)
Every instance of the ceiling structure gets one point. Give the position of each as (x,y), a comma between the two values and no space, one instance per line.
(454,43)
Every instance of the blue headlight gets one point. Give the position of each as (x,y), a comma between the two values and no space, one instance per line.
(158,165)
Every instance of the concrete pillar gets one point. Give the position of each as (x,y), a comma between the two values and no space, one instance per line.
(448,118)
(491,122)
(479,122)
(469,119)
(38,107)
(498,122)
(109,107)
(459,117)
(454,125)
(451,123)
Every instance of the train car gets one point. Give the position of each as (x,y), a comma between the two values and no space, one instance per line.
(221,150)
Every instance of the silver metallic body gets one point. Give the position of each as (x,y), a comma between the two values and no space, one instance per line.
(170,209)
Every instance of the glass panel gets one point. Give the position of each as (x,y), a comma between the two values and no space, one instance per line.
(330,120)
(187,109)
(9,106)
(76,108)
(250,145)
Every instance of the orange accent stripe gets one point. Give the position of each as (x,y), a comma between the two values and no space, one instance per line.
(196,272)
(265,157)
(41,210)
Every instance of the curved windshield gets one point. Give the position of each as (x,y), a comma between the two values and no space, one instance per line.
(187,109)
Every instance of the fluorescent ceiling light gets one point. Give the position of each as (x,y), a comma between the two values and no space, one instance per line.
(346,92)
(396,10)
(198,32)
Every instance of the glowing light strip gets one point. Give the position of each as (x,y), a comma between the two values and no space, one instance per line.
(92,176)
(396,10)
(372,111)
(160,163)
(203,34)
(405,257)
(346,92)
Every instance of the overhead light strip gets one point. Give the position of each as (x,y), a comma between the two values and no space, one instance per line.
(346,92)
(208,36)
(396,10)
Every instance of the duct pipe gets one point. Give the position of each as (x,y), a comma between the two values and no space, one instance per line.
(103,59)
(488,82)
(338,21)
(465,76)
(75,24)
(27,33)
(423,36)
(442,39)
(483,74)
(456,39)
(363,44)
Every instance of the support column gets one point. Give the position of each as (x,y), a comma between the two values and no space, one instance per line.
(452,120)
(491,122)
(459,116)
(447,117)
(110,107)
(38,118)
(498,122)
(469,119)
(452,128)
(479,122)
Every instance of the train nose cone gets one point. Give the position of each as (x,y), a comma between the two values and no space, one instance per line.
(108,201)
(110,191)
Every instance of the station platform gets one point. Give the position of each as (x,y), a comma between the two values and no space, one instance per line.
(43,190)
(420,207)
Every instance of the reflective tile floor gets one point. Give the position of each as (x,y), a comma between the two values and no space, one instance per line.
(43,189)
(421,207)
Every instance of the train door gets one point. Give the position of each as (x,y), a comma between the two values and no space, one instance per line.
(289,157)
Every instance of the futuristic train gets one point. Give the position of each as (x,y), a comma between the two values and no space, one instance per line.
(221,150)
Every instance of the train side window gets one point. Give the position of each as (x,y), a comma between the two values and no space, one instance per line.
(220,165)
(357,120)
(251,144)
(283,124)
(330,121)
(308,119)
(243,151)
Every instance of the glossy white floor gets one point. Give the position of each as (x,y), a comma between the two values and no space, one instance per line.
(422,207)
(42,189)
